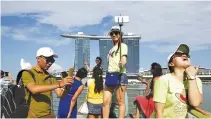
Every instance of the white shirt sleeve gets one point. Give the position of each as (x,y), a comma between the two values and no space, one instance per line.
(124,50)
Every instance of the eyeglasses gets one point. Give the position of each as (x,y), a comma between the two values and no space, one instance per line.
(49,59)
(114,32)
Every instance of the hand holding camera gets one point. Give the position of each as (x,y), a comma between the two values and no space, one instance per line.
(66,81)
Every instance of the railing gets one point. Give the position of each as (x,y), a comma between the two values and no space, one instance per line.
(132,93)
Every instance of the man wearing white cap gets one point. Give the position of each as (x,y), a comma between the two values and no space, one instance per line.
(41,89)
(173,92)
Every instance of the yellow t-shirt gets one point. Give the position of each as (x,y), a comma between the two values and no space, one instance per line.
(114,59)
(40,103)
(92,97)
(170,91)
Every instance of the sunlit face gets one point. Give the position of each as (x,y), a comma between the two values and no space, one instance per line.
(115,36)
(45,62)
(181,59)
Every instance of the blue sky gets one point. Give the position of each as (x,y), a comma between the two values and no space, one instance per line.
(27,26)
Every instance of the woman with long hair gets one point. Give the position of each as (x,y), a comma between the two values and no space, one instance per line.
(117,59)
(95,93)
(173,92)
(68,104)
(144,104)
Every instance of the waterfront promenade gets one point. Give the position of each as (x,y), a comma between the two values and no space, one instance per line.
(134,89)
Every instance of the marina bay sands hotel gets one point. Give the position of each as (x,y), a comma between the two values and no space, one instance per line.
(82,49)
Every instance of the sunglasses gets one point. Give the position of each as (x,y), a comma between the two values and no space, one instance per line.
(114,33)
(49,59)
(180,54)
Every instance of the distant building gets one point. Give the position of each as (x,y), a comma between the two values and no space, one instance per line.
(202,71)
(82,52)
(133,55)
(82,49)
(105,46)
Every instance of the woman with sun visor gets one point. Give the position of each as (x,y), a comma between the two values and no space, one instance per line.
(116,78)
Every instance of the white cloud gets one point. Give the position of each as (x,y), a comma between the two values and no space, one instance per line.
(25,65)
(54,42)
(55,68)
(19,36)
(5,30)
(34,34)
(157,22)
(172,47)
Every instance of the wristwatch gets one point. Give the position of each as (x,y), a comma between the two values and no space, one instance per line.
(192,78)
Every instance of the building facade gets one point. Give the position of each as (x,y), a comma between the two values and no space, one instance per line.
(82,52)
(105,46)
(133,54)
(82,49)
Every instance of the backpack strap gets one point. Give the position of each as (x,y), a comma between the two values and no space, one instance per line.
(19,77)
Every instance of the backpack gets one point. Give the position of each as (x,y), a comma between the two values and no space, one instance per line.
(13,102)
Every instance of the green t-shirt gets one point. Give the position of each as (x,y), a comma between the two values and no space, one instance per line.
(172,93)
(114,59)
(40,103)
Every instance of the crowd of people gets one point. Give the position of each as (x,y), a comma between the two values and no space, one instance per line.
(166,96)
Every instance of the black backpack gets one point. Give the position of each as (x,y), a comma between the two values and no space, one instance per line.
(13,103)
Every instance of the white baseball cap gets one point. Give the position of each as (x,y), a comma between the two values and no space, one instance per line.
(183,48)
(114,28)
(46,51)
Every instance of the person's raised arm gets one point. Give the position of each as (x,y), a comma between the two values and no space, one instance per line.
(87,66)
(59,91)
(146,91)
(195,97)
(35,88)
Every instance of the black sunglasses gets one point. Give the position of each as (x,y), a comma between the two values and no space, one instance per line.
(181,54)
(49,59)
(114,32)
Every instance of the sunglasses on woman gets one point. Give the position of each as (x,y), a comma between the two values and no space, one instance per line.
(180,54)
(114,32)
